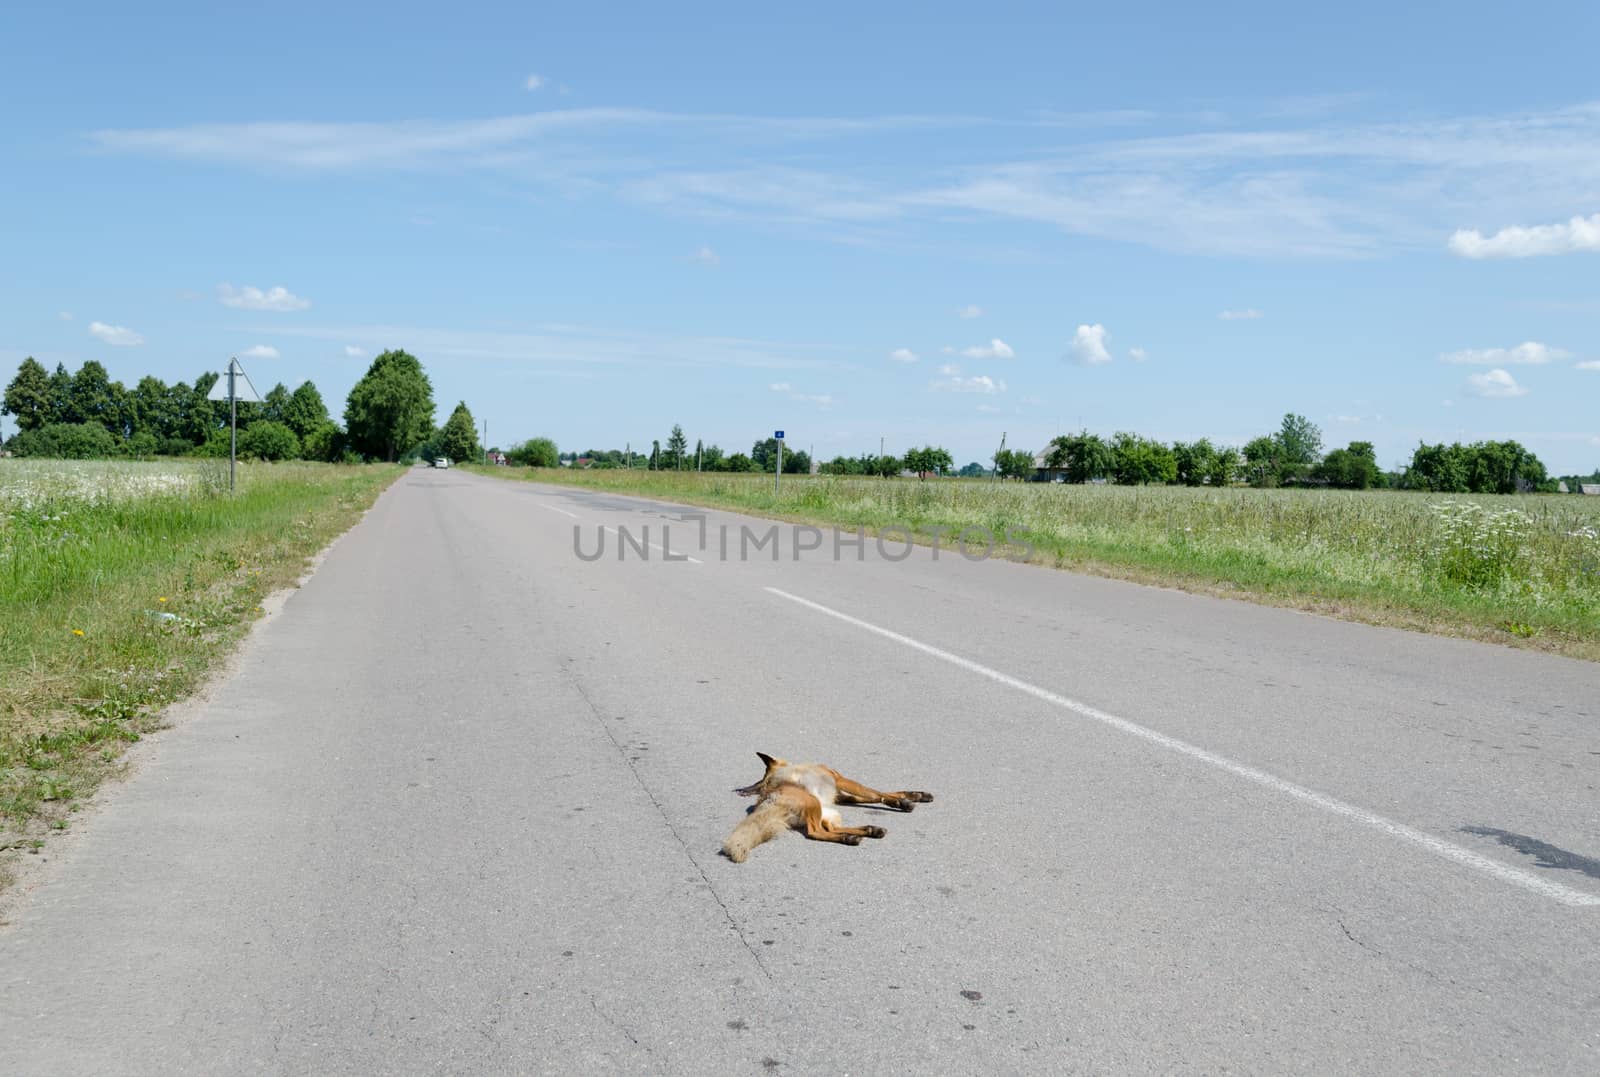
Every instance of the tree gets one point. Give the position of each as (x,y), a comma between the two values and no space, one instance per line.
(150,409)
(886,466)
(89,399)
(677,444)
(267,439)
(1261,460)
(974,470)
(390,409)
(1195,460)
(1299,447)
(28,396)
(60,396)
(272,405)
(535,452)
(199,414)
(655,456)
(458,439)
(1224,466)
(1137,461)
(739,462)
(1353,468)
(304,411)
(1014,464)
(1082,456)
(711,458)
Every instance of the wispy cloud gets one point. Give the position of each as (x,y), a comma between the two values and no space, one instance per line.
(1494,383)
(989,409)
(995,349)
(949,370)
(1578,234)
(120,336)
(260,351)
(64,315)
(822,400)
(579,344)
(1301,184)
(534,82)
(971,310)
(1588,364)
(1089,345)
(353,352)
(706,256)
(249,298)
(903,355)
(1248,315)
(1529,353)
(980,384)
(1138,355)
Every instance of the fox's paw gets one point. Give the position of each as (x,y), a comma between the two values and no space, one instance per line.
(921,798)
(876,831)
(850,839)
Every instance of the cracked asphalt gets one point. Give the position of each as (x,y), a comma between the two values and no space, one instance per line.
(457,810)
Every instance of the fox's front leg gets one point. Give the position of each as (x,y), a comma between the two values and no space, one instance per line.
(851,792)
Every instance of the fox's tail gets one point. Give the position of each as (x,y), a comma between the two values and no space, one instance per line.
(767,821)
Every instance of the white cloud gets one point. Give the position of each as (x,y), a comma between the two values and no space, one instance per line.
(535,82)
(971,310)
(65,315)
(248,298)
(1588,364)
(989,409)
(1349,420)
(980,384)
(949,370)
(820,399)
(1089,345)
(947,350)
(1494,383)
(995,349)
(706,256)
(118,335)
(1248,315)
(1138,355)
(903,355)
(1578,234)
(1530,353)
(260,351)
(353,352)
(781,387)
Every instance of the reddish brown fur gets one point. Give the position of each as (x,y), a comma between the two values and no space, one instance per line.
(799,796)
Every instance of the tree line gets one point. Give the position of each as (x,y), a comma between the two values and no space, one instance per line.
(387,416)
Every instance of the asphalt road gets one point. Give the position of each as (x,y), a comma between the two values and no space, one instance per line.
(458,809)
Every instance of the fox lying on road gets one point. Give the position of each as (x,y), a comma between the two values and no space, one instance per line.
(801,796)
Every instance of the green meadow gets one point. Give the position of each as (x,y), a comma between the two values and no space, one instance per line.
(121,586)
(1518,569)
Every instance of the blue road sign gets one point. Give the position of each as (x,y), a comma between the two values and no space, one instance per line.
(778,435)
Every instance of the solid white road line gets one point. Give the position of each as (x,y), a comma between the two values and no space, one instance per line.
(563,512)
(1439,847)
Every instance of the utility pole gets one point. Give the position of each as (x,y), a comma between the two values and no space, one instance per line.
(233,423)
(627,457)
(997,455)
(486,443)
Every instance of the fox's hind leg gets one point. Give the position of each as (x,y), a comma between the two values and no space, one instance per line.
(855,793)
(818,828)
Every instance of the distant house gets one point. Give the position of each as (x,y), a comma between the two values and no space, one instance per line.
(1590,488)
(1043,472)
(1561,488)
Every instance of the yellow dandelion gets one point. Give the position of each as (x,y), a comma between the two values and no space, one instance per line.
(77,631)
(163,598)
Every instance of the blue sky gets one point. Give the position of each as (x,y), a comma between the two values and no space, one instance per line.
(917,222)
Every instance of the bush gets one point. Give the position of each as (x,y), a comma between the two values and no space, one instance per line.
(536,452)
(68,441)
(268,440)
(142,445)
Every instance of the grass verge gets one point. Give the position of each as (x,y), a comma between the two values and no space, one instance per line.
(1520,570)
(115,604)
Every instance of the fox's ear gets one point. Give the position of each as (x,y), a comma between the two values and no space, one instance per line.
(768,760)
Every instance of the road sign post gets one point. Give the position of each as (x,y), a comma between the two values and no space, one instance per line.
(233,391)
(778,471)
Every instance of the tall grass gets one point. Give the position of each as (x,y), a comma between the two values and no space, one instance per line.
(120,585)
(1512,566)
